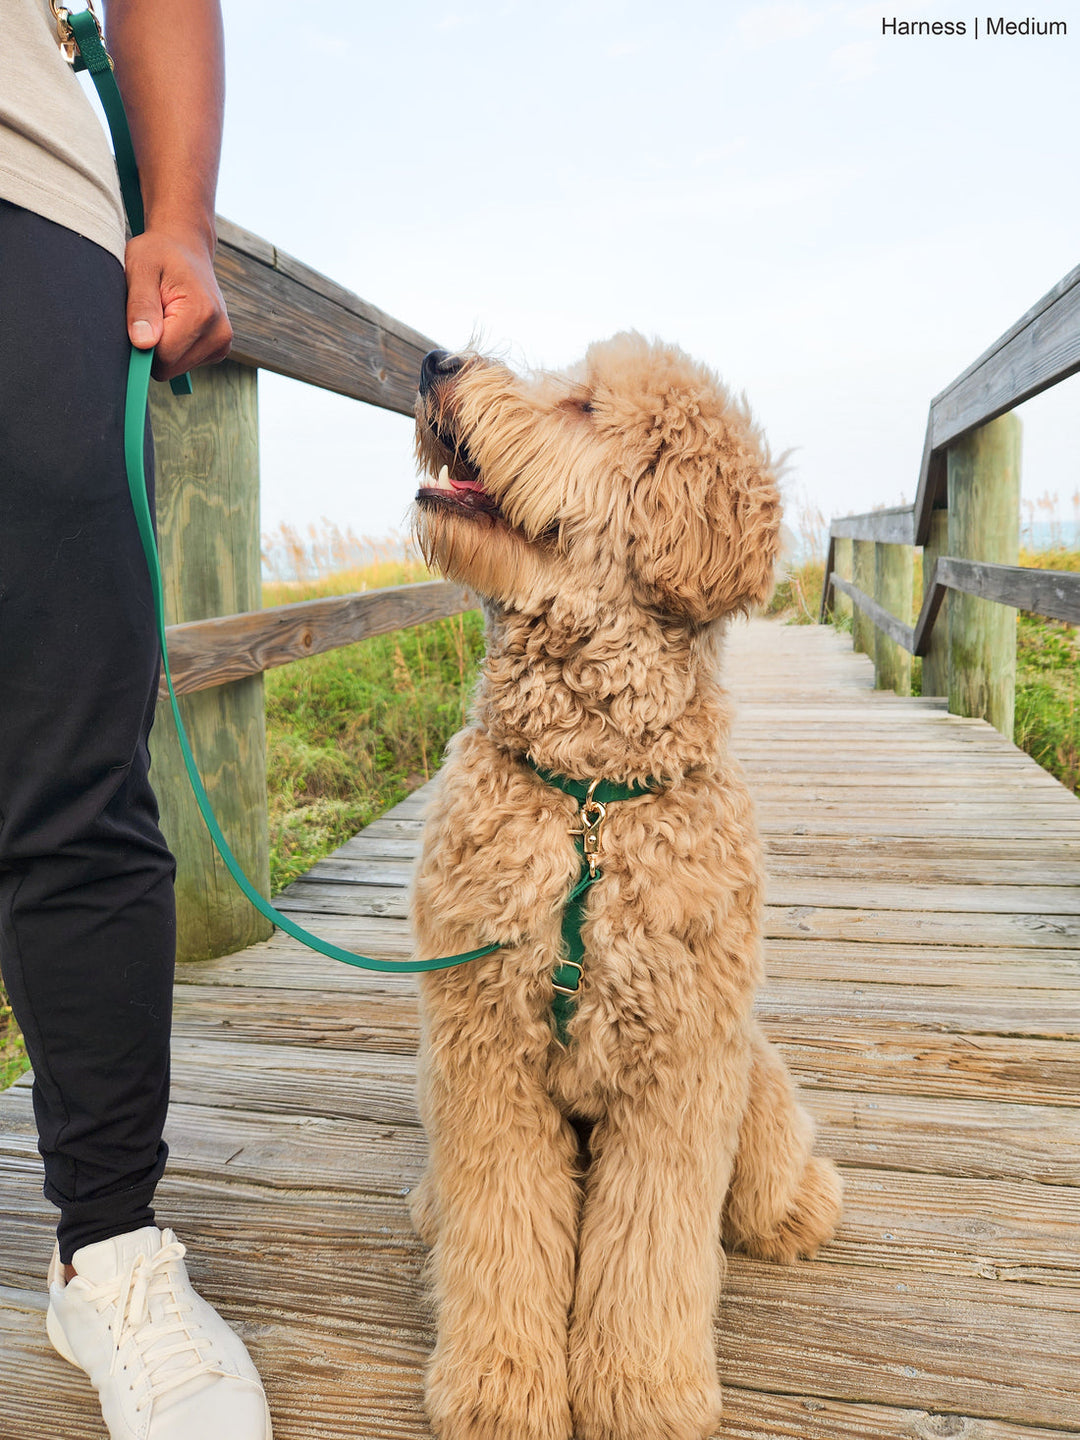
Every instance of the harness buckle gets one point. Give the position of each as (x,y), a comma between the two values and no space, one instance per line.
(566,989)
(591,819)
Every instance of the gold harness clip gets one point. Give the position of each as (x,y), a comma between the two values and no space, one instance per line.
(591,819)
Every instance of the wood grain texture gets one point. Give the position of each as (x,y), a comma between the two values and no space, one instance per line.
(984,524)
(206,653)
(288,318)
(894,578)
(207,457)
(923,953)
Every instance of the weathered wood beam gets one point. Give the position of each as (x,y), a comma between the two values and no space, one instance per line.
(1054,594)
(206,653)
(288,318)
(891,527)
(1042,348)
(894,628)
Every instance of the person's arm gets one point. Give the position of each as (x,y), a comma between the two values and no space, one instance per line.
(170,68)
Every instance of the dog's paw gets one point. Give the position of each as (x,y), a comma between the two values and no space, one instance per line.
(811,1221)
(625,1407)
(495,1398)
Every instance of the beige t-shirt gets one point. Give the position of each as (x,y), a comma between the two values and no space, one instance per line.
(54,157)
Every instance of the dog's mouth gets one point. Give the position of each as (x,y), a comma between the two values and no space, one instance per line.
(458,486)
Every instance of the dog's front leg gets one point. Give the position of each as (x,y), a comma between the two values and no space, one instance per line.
(642,1355)
(503,1173)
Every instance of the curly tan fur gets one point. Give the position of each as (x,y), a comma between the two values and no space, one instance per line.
(612,517)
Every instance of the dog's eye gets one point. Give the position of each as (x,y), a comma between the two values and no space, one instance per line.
(586,407)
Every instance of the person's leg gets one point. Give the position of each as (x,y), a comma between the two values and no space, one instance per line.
(87,929)
(87,932)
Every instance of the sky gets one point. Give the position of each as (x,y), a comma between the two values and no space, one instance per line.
(836,220)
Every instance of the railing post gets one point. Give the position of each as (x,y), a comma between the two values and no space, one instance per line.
(207,453)
(984,524)
(935,665)
(841,603)
(864,578)
(894,568)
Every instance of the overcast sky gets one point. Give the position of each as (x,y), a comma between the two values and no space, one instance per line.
(837,221)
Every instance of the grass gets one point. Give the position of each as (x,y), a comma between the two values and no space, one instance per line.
(352,732)
(13,1061)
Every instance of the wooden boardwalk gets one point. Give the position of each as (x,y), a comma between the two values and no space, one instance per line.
(924,984)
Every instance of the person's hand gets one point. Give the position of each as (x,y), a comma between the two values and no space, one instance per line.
(174,302)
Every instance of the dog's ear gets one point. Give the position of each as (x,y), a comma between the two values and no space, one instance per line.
(705,517)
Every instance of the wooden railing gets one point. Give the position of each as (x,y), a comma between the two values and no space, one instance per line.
(966,519)
(290,319)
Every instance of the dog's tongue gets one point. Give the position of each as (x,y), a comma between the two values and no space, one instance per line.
(444,475)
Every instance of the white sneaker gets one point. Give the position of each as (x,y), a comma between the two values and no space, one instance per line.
(164,1363)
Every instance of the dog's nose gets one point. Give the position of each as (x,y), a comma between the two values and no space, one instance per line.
(438,365)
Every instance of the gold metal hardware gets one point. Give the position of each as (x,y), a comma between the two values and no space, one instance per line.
(64,34)
(591,819)
(565,989)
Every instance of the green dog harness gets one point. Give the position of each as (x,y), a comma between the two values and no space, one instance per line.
(593,796)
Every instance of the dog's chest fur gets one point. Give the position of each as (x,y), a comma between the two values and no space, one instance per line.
(670,933)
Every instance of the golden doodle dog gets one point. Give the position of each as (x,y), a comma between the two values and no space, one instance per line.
(596,1127)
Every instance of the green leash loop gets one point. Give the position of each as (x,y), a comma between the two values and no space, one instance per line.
(94,58)
(134,434)
(566,977)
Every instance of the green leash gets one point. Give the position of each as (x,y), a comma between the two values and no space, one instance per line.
(92,56)
(592,796)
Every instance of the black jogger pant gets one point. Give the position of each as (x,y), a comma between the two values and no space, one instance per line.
(87,928)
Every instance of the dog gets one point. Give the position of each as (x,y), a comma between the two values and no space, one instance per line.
(583,1179)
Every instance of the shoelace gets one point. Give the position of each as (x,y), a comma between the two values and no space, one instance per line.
(168,1335)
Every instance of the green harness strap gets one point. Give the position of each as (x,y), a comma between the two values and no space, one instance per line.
(592,796)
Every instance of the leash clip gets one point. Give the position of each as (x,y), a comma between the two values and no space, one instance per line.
(65,35)
(591,818)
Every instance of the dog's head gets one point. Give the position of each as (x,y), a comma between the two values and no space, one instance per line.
(635,475)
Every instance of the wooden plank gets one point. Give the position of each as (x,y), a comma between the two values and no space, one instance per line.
(952,1137)
(901,634)
(962,1349)
(1051,593)
(1015,932)
(289,319)
(894,527)
(991,1140)
(920,964)
(1051,1014)
(752,1415)
(205,653)
(1039,350)
(888,1059)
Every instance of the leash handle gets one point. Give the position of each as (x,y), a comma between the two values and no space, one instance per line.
(80,30)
